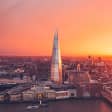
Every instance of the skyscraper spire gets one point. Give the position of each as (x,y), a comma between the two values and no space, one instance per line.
(56,64)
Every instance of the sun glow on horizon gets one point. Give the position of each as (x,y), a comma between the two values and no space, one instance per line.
(84,27)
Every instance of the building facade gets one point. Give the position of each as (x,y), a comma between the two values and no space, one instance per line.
(56,64)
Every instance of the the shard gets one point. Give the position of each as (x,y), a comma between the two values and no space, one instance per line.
(56,64)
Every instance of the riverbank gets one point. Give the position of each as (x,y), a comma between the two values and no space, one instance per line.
(51,100)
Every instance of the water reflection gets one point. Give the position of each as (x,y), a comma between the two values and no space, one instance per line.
(104,105)
(62,106)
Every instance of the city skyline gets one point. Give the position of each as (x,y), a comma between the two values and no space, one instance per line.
(27,27)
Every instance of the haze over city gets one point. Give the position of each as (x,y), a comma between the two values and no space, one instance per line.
(55,54)
(27,27)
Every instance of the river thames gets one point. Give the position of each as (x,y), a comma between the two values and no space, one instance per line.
(62,106)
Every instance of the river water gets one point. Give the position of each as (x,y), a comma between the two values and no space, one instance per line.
(62,106)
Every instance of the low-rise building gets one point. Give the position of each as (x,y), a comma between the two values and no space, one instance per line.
(72,93)
(28,95)
(15,97)
(62,94)
(50,94)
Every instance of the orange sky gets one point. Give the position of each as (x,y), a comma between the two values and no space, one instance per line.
(27,27)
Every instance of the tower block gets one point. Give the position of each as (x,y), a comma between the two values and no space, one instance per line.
(56,63)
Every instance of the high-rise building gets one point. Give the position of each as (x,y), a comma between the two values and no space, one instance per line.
(56,64)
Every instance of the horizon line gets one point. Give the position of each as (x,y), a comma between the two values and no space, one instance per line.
(50,56)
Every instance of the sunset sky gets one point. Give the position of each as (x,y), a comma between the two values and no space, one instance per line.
(27,27)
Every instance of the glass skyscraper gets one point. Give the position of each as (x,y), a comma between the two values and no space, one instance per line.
(56,64)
